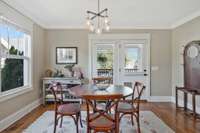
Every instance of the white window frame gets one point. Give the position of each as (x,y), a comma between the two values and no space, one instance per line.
(26,88)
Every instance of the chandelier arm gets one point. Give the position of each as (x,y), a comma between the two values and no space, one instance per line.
(104,10)
(98,15)
(94,13)
(93,17)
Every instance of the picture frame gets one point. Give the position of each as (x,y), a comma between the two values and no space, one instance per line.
(66,55)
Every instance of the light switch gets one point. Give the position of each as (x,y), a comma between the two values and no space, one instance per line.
(154,68)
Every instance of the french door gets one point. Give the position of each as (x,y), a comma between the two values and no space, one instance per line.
(126,61)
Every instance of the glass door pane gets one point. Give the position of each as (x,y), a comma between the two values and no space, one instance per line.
(133,58)
(103,60)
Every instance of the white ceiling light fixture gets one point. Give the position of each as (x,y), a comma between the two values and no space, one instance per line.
(102,22)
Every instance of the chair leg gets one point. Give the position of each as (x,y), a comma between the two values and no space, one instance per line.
(77,117)
(132,119)
(61,121)
(88,129)
(138,123)
(80,120)
(55,123)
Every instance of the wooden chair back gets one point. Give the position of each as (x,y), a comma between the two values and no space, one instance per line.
(57,91)
(138,89)
(91,102)
(192,67)
(102,80)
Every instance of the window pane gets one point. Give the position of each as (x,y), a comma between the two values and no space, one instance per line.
(132,59)
(17,41)
(12,73)
(105,61)
(4,39)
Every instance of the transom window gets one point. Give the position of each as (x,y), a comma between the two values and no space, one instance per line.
(15,56)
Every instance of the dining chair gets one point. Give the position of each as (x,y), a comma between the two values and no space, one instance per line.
(64,109)
(102,80)
(132,107)
(100,120)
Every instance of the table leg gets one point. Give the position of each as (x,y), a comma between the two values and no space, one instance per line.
(185,101)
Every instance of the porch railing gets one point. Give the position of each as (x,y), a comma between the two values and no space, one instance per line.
(105,72)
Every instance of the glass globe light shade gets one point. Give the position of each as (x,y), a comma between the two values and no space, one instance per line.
(98,30)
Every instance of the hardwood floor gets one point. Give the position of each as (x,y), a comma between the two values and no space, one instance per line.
(176,119)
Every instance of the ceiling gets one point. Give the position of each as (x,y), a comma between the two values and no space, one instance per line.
(150,14)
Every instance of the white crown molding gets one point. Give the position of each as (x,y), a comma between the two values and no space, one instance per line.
(5,123)
(17,7)
(185,19)
(115,28)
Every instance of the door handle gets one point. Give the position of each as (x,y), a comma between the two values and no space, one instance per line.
(145,74)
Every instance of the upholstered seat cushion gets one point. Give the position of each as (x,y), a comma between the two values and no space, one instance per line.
(125,107)
(69,109)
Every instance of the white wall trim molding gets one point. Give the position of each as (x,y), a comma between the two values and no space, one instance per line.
(180,103)
(160,99)
(5,123)
(24,12)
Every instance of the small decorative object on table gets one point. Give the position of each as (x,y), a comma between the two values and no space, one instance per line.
(58,73)
(68,70)
(49,73)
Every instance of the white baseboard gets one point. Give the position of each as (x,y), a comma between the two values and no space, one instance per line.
(160,99)
(181,104)
(5,123)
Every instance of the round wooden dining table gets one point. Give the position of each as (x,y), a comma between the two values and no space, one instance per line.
(91,89)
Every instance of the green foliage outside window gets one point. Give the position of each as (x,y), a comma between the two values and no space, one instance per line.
(105,60)
(12,72)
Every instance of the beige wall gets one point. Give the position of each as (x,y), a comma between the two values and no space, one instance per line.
(180,37)
(160,53)
(13,105)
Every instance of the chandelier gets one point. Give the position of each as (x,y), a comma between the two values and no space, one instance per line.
(98,21)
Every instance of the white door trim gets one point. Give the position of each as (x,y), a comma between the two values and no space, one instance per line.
(142,36)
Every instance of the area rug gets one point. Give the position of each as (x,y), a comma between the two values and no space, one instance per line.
(149,122)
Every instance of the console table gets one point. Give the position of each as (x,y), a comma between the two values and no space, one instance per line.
(65,82)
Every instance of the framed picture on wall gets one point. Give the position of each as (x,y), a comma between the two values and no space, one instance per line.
(66,55)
